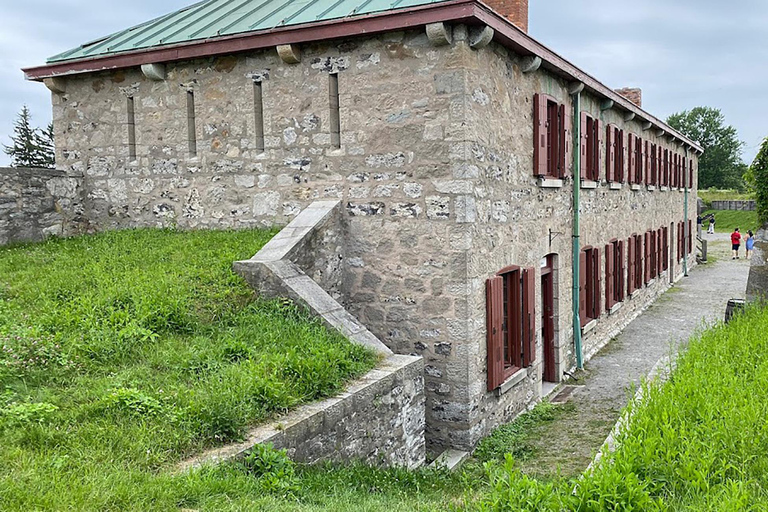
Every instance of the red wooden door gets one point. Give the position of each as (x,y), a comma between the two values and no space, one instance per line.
(548,323)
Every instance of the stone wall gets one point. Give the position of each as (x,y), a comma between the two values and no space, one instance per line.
(733,205)
(377,420)
(36,203)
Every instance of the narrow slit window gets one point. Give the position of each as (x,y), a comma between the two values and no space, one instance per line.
(131,130)
(335,117)
(258,110)
(191,131)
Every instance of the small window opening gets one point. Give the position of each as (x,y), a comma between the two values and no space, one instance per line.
(191,129)
(335,114)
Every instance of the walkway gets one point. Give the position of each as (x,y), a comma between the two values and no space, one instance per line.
(570,442)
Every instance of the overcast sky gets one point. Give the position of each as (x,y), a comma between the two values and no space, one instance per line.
(682,54)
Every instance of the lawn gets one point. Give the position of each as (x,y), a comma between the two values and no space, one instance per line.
(714,194)
(728,220)
(125,352)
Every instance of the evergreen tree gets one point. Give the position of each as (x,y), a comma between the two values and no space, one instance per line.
(30,147)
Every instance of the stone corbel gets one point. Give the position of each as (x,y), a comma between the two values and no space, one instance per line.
(55,85)
(629,116)
(480,37)
(530,64)
(289,53)
(155,72)
(660,132)
(439,34)
(606,104)
(575,88)
(647,126)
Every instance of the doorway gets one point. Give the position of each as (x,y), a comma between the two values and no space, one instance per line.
(548,314)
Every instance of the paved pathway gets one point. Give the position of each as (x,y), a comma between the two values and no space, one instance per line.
(570,442)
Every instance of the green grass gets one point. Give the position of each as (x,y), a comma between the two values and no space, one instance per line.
(714,194)
(728,220)
(125,352)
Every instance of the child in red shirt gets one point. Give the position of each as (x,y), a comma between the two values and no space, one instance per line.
(735,242)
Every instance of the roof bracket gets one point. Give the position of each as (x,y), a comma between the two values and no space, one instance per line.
(289,53)
(660,132)
(530,64)
(575,88)
(647,125)
(155,72)
(606,104)
(480,37)
(439,34)
(629,116)
(56,85)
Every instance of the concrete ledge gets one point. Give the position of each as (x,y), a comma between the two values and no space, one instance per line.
(663,189)
(635,187)
(651,187)
(615,186)
(615,309)
(589,184)
(511,382)
(589,327)
(550,183)
(379,419)
(450,459)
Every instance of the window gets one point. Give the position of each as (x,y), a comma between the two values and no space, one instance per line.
(614,159)
(552,137)
(511,339)
(635,263)
(665,248)
(690,237)
(654,155)
(333,98)
(636,159)
(591,142)
(659,251)
(131,129)
(665,167)
(590,271)
(614,273)
(258,115)
(680,240)
(690,173)
(191,129)
(649,257)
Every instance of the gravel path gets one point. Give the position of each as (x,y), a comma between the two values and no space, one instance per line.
(608,380)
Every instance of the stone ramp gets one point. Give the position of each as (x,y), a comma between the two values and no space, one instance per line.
(610,378)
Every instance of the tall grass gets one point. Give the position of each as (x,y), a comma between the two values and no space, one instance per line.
(124,352)
(728,220)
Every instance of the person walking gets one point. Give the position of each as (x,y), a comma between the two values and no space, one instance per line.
(735,243)
(711,230)
(750,244)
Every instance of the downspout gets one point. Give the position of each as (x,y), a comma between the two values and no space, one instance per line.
(685,214)
(575,91)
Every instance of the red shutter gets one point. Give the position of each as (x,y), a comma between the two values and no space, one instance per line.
(598,266)
(665,248)
(690,173)
(566,142)
(610,152)
(598,126)
(583,288)
(631,255)
(494,300)
(539,134)
(647,258)
(583,142)
(647,157)
(529,316)
(609,272)
(621,270)
(631,153)
(659,250)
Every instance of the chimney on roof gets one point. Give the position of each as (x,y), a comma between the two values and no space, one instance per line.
(515,11)
(633,94)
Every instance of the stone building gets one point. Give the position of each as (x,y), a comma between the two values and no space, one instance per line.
(447,133)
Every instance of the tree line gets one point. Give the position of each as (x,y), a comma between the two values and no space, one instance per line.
(30,147)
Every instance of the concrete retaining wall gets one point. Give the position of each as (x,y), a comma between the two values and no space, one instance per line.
(733,205)
(36,203)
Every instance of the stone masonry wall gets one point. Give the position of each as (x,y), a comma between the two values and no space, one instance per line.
(519,223)
(36,203)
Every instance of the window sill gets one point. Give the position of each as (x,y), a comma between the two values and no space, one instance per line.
(635,187)
(614,186)
(634,294)
(615,309)
(651,187)
(589,327)
(511,382)
(663,189)
(589,184)
(550,182)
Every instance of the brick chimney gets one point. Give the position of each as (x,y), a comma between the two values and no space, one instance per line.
(633,94)
(515,11)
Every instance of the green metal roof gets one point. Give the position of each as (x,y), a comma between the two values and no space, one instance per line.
(215,18)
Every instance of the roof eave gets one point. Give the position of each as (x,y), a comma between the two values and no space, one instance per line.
(456,11)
